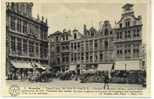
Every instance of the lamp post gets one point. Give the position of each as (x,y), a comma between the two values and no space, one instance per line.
(125,67)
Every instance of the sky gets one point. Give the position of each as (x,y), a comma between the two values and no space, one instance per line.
(75,15)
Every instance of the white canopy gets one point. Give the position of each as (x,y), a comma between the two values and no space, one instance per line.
(104,67)
(72,67)
(41,66)
(21,64)
(127,65)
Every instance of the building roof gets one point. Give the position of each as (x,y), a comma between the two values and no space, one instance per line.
(127,6)
(56,33)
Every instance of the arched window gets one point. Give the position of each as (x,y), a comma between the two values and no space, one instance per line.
(106,44)
(92,33)
(106,31)
(74,35)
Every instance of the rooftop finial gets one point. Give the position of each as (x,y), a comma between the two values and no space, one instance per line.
(42,18)
(38,17)
(46,21)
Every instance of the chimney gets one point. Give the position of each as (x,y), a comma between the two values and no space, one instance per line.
(42,18)
(46,21)
(84,29)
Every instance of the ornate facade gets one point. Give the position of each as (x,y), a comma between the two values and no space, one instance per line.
(105,47)
(27,37)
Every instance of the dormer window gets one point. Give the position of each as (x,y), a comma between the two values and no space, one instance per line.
(127,24)
(92,33)
(106,44)
(75,36)
(106,32)
(120,25)
(56,38)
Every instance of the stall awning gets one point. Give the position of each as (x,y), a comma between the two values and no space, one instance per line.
(44,66)
(104,67)
(21,64)
(127,65)
(72,67)
(40,66)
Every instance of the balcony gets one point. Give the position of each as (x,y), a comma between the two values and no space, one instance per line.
(127,39)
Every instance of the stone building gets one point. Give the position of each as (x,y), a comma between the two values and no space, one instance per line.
(92,49)
(107,48)
(59,50)
(27,38)
(128,38)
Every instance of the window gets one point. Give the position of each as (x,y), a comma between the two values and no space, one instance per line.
(17,7)
(91,58)
(13,47)
(58,60)
(56,38)
(110,32)
(45,52)
(45,34)
(78,56)
(75,56)
(71,45)
(92,33)
(106,44)
(82,56)
(13,6)
(106,32)
(31,28)
(66,37)
(24,27)
(31,48)
(127,23)
(19,48)
(136,52)
(75,36)
(96,57)
(13,22)
(19,25)
(87,55)
(134,22)
(37,49)
(119,52)
(117,35)
(96,44)
(72,57)
(58,49)
(78,45)
(120,25)
(120,35)
(127,34)
(138,31)
(24,47)
(75,46)
(101,56)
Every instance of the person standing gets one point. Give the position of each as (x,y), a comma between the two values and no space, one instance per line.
(77,73)
(106,81)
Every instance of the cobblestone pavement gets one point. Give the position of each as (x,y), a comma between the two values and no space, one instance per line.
(73,83)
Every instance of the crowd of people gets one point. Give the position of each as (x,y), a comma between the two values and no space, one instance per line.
(35,74)
(116,76)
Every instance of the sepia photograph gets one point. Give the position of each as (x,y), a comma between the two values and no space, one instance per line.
(78,48)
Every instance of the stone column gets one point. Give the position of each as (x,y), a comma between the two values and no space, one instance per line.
(21,46)
(93,50)
(16,50)
(21,26)
(27,48)
(15,24)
